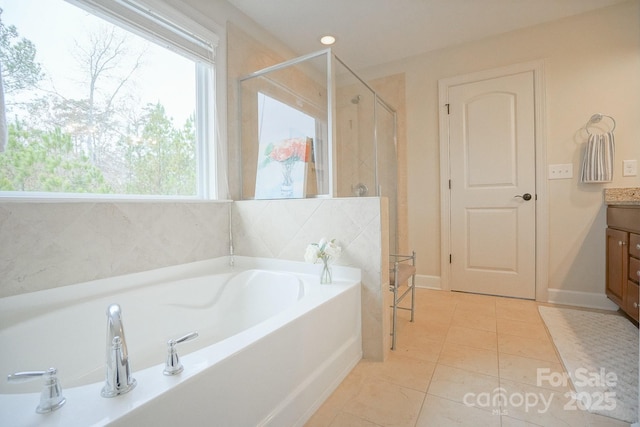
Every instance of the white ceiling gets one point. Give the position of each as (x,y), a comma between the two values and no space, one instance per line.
(372,32)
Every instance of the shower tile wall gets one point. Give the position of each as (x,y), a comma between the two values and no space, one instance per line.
(46,245)
(283,229)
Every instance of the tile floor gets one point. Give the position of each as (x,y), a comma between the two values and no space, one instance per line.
(462,353)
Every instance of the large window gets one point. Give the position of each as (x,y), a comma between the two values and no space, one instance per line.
(104,97)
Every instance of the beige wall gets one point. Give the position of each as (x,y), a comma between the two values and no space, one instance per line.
(592,64)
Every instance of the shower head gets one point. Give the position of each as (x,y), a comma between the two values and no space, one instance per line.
(355,99)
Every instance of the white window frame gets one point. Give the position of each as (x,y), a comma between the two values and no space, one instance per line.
(162,24)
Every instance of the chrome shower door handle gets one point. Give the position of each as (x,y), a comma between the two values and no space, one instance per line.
(525,196)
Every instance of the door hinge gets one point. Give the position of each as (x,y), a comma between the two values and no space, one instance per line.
(450,258)
(447,105)
(449,184)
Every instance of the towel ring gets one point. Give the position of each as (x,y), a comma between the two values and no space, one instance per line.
(596,118)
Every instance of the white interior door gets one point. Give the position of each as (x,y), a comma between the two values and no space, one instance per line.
(492,187)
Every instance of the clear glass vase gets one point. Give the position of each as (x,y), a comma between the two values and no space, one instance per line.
(325,274)
(286,188)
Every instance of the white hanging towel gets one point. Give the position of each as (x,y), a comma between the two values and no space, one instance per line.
(597,164)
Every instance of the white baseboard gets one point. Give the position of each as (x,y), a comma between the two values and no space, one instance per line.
(428,282)
(555,296)
(581,299)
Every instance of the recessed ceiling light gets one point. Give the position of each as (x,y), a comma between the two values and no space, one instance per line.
(327,40)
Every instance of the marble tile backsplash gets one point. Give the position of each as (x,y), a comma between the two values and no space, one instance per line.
(46,245)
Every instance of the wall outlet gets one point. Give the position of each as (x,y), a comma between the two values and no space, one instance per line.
(629,167)
(564,171)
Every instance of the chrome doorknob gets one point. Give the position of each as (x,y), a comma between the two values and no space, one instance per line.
(525,196)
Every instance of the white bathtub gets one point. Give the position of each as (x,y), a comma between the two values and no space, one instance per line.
(273,343)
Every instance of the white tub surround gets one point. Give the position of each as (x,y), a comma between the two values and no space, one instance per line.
(273,344)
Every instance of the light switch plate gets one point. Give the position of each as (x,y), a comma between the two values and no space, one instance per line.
(561,171)
(629,167)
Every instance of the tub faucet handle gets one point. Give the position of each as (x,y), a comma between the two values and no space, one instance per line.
(51,397)
(173,365)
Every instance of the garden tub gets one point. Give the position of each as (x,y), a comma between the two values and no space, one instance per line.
(273,344)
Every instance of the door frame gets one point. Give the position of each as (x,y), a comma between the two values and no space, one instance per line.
(542,202)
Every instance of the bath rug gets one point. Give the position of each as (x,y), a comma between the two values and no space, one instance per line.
(600,353)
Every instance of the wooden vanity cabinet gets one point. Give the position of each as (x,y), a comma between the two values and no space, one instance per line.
(623,257)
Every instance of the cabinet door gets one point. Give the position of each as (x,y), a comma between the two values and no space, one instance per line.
(617,261)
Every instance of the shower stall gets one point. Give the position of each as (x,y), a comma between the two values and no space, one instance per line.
(310,127)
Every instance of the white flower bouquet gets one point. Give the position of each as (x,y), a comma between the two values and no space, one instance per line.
(325,250)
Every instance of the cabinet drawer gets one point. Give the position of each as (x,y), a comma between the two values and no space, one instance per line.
(631,300)
(634,269)
(634,245)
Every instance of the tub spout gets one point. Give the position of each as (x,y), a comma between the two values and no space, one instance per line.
(118,380)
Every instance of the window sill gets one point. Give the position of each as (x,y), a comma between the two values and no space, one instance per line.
(44,197)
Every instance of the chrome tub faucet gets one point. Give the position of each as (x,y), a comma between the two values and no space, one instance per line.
(118,380)
(51,397)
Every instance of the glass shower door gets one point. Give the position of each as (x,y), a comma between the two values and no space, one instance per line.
(387,166)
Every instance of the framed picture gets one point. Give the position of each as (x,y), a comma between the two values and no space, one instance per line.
(285,150)
(282,169)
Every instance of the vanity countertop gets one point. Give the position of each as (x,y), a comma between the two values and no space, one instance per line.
(622,196)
